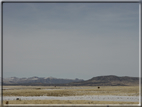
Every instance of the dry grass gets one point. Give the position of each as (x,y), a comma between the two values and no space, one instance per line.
(70,91)
(66,102)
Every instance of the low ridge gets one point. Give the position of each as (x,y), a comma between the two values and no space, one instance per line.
(109,80)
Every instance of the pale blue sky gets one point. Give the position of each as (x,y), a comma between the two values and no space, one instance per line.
(70,40)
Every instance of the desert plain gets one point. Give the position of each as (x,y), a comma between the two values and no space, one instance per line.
(71,94)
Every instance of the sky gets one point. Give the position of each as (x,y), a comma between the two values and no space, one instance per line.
(70,40)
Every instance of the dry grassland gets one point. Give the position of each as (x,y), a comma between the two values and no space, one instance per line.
(66,102)
(70,90)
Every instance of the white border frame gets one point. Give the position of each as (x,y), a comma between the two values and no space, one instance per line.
(74,1)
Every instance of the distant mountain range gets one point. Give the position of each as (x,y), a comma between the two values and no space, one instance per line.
(38,80)
(109,80)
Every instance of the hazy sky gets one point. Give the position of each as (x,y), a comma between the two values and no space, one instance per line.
(70,40)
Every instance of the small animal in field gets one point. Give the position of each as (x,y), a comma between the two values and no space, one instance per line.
(98,87)
(17,98)
(6,102)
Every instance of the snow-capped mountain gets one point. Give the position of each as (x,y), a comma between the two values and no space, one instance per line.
(38,80)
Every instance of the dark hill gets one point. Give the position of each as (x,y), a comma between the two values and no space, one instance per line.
(110,80)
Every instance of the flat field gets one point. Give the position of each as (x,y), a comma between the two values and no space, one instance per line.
(67,102)
(113,94)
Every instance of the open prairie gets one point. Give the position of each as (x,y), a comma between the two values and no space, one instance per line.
(71,94)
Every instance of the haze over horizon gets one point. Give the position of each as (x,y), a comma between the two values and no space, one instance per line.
(70,40)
